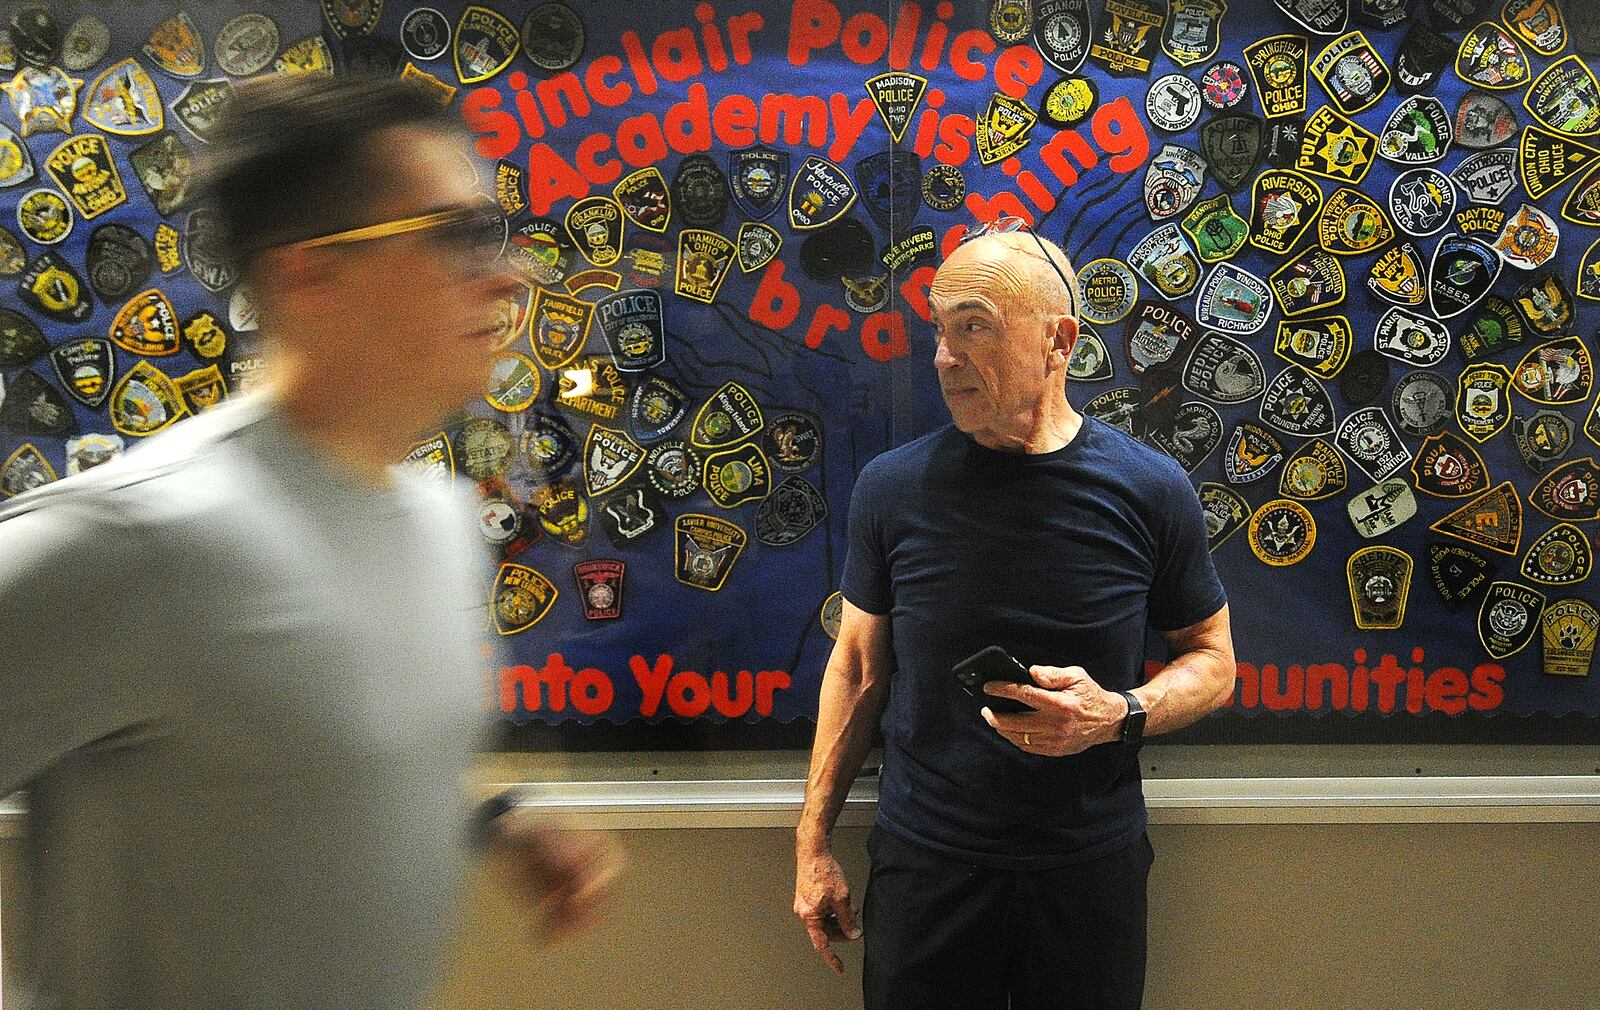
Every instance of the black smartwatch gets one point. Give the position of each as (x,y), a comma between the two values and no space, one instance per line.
(1133,724)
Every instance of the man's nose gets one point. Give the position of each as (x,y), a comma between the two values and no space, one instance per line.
(942,356)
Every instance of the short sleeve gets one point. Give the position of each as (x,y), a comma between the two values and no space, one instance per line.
(1186,589)
(74,667)
(866,566)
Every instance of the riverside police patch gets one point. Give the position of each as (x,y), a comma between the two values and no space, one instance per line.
(1284,203)
(759,176)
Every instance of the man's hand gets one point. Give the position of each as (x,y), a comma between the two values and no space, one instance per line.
(822,901)
(1074,713)
(567,873)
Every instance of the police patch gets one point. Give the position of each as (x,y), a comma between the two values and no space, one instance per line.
(1490,58)
(1003,129)
(1282,532)
(84,169)
(1066,103)
(1418,132)
(793,509)
(1448,467)
(1421,201)
(119,261)
(1253,452)
(1233,300)
(521,598)
(674,469)
(1311,281)
(704,260)
(486,43)
(1167,261)
(728,417)
(563,511)
(552,37)
(595,226)
(206,249)
(1529,238)
(1422,57)
(12,258)
(1224,370)
(43,100)
(1336,148)
(1396,276)
(51,286)
(632,324)
(644,198)
(1380,582)
(1566,98)
(1090,361)
(629,514)
(311,55)
(759,176)
(819,195)
(246,44)
(1352,72)
(1352,224)
(1296,403)
(1421,403)
(706,548)
(485,446)
(1568,637)
(1410,337)
(1464,269)
(1483,121)
(163,167)
(1381,509)
(34,407)
(1556,373)
(1107,291)
(700,191)
(1061,30)
(1322,344)
(378,57)
(20,339)
(1542,439)
(920,245)
(1280,144)
(1125,45)
(1481,221)
(1173,103)
(1189,436)
(889,184)
(1493,326)
(600,588)
(1173,181)
(1364,377)
(514,382)
(199,106)
(539,251)
(944,187)
(176,47)
(558,328)
(1223,85)
(1283,205)
(1156,335)
(1458,574)
(793,442)
(1224,510)
(1482,403)
(1589,273)
(1278,65)
(1538,22)
(1315,471)
(593,387)
(1370,440)
(201,389)
(610,457)
(1218,233)
(548,443)
(145,401)
(85,44)
(1571,491)
(1231,144)
(16,164)
(1583,203)
(1119,408)
(1324,17)
(1192,30)
(124,100)
(25,469)
(896,95)
(1508,618)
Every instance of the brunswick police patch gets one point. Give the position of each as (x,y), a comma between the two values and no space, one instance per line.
(600,588)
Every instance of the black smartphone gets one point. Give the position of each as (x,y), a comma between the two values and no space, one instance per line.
(993,663)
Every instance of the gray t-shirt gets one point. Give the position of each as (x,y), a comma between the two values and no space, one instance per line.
(242,691)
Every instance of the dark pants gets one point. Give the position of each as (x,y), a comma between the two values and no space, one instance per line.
(944,933)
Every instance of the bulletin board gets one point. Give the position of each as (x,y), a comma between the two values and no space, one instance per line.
(1339,259)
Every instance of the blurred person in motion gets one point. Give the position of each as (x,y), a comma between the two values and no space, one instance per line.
(243,668)
(1008,860)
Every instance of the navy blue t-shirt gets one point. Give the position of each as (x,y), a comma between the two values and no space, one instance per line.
(1063,559)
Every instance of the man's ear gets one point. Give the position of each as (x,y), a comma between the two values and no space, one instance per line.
(1063,338)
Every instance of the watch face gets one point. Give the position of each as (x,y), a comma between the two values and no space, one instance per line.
(1133,723)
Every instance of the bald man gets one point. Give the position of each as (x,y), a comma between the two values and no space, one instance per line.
(1009,856)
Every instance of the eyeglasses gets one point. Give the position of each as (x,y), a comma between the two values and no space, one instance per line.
(1005,225)
(474,235)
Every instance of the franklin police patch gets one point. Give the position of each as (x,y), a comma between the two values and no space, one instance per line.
(595,226)
(600,588)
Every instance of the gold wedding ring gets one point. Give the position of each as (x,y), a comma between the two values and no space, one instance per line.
(1027,741)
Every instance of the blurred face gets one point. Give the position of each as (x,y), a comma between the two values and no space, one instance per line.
(999,354)
(415,313)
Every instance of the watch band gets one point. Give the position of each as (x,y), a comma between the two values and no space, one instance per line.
(1133,723)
